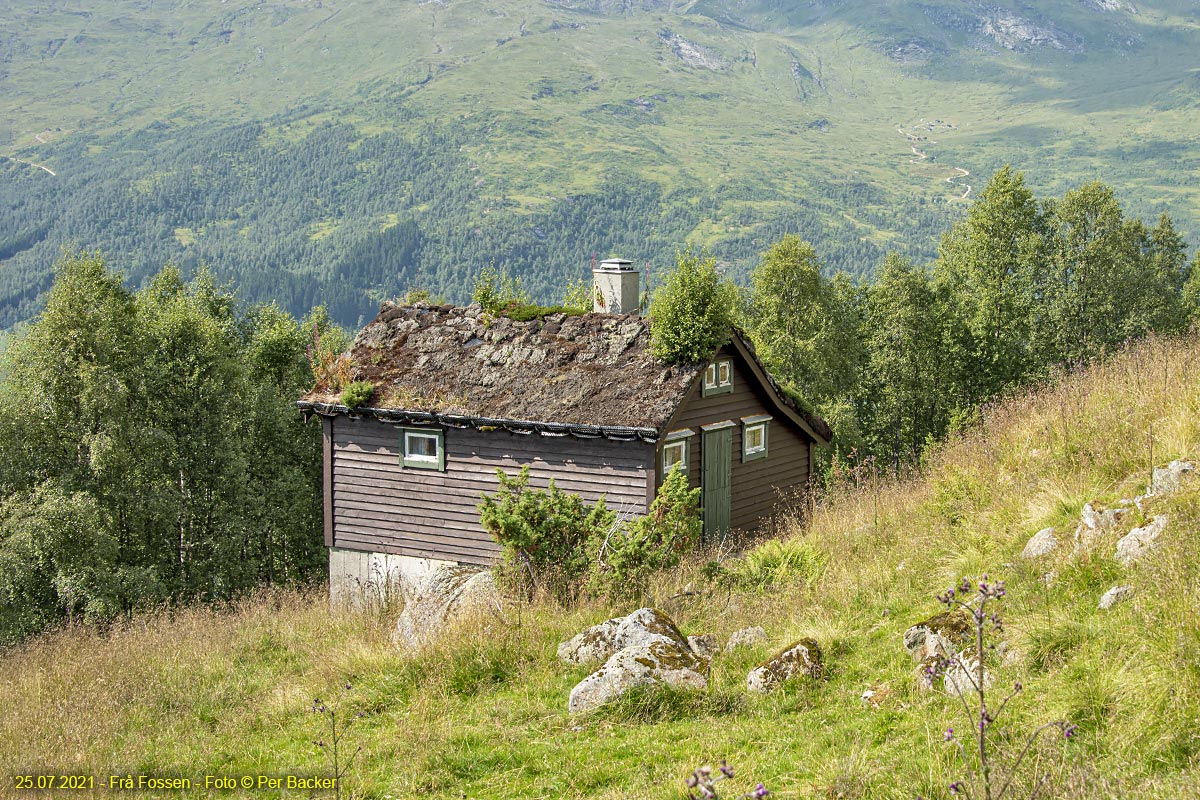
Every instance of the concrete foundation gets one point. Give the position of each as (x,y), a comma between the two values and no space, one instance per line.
(361,579)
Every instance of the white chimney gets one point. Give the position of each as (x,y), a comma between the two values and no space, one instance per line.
(616,287)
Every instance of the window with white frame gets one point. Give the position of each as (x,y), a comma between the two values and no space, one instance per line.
(422,448)
(676,451)
(754,437)
(718,377)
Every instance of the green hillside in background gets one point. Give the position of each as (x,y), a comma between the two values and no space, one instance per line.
(340,152)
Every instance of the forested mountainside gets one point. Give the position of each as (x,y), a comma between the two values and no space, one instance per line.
(344,151)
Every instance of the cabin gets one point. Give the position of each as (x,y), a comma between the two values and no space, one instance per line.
(460,393)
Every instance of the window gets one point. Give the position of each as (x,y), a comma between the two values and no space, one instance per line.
(718,378)
(675,451)
(754,437)
(422,448)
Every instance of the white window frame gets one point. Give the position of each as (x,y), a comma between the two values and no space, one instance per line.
(714,381)
(436,461)
(681,439)
(762,422)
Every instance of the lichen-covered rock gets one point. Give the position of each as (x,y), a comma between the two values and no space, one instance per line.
(1168,479)
(1094,523)
(657,662)
(801,658)
(746,637)
(593,645)
(1113,596)
(447,596)
(600,642)
(1042,543)
(1139,542)
(939,636)
(964,674)
(704,645)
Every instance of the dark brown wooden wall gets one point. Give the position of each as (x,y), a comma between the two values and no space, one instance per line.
(381,507)
(757,485)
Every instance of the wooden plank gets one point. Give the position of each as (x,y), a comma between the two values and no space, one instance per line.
(414,546)
(477,538)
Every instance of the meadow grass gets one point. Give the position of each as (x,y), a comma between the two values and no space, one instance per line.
(482,712)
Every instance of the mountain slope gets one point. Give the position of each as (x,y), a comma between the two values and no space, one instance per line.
(860,126)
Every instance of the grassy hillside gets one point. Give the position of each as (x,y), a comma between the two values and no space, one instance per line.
(196,132)
(483,714)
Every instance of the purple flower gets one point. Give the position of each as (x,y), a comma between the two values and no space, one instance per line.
(761,791)
(949,734)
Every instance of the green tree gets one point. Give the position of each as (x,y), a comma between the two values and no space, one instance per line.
(801,324)
(692,311)
(988,272)
(904,399)
(1097,292)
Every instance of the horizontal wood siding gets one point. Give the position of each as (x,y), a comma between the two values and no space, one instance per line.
(758,485)
(382,507)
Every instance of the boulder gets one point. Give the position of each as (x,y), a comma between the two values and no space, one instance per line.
(746,637)
(1094,523)
(593,645)
(648,650)
(801,658)
(1113,596)
(705,645)
(964,674)
(1040,544)
(1168,479)
(939,636)
(1136,544)
(600,642)
(448,595)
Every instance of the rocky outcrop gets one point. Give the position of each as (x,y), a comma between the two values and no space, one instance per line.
(640,649)
(449,595)
(1019,34)
(1094,523)
(746,637)
(800,659)
(690,53)
(1170,478)
(1113,596)
(1042,543)
(965,675)
(939,636)
(1139,542)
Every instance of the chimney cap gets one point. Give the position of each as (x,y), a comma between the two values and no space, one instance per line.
(615,265)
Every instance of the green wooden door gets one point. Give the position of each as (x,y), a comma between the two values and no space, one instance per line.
(717,452)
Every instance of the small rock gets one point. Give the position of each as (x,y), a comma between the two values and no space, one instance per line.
(964,674)
(940,635)
(801,658)
(1113,596)
(877,695)
(1040,544)
(1169,478)
(746,637)
(703,645)
(447,596)
(1089,517)
(1136,544)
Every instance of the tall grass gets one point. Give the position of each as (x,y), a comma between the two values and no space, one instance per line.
(482,713)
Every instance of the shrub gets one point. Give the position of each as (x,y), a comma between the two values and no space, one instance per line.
(626,559)
(496,289)
(692,311)
(357,393)
(560,544)
(542,534)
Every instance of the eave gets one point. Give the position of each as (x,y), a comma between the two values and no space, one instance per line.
(517,426)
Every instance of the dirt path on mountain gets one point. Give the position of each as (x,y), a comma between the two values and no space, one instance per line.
(42,167)
(919,156)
